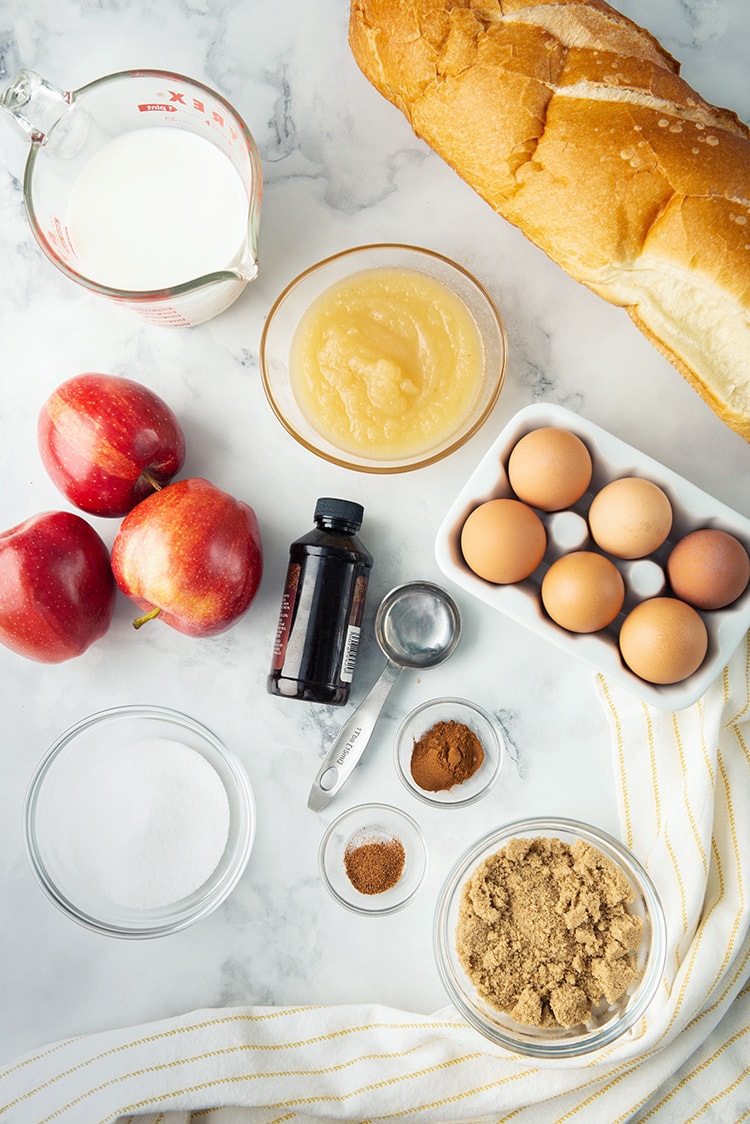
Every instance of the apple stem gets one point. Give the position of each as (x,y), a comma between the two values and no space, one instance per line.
(146,617)
(155,484)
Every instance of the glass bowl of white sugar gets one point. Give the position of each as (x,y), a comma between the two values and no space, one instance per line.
(139,822)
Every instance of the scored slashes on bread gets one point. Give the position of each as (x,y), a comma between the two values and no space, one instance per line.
(572,122)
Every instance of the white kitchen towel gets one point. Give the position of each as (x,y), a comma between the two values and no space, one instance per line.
(684,786)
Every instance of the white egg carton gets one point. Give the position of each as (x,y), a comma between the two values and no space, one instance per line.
(612,458)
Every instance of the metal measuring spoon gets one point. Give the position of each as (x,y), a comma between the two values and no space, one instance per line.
(417,625)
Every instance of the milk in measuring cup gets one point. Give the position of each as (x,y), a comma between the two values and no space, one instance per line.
(155,208)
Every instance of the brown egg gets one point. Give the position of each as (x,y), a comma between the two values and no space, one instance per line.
(503,541)
(663,640)
(708,568)
(549,468)
(583,591)
(630,517)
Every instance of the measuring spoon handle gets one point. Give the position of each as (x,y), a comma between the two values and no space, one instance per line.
(351,741)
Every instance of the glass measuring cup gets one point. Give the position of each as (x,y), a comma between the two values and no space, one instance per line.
(67,129)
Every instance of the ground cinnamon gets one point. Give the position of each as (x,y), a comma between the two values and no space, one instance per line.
(446,755)
(374,864)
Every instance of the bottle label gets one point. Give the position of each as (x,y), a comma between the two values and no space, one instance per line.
(353,630)
(283,628)
(318,630)
(351,646)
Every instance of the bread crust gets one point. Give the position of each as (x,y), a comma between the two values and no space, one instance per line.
(574,124)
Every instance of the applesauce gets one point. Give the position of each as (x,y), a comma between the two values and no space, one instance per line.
(386,362)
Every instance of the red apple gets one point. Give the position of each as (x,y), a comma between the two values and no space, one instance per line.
(108,442)
(191,555)
(57,592)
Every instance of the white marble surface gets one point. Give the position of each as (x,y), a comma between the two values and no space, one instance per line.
(341,167)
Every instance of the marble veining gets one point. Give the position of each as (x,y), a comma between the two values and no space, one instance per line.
(341,167)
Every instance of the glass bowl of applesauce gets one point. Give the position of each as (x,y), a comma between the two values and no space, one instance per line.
(383,358)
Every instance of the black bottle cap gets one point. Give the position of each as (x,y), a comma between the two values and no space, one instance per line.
(339,511)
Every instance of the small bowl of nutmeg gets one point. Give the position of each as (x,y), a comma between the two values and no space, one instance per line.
(373,859)
(448,752)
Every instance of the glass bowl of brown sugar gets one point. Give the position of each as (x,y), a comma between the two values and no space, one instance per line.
(550,938)
(373,858)
(448,752)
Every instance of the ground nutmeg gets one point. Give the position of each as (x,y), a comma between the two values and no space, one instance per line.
(374,864)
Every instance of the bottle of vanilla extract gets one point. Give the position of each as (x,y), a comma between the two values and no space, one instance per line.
(322,607)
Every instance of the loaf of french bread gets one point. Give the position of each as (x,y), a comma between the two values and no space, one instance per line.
(573,123)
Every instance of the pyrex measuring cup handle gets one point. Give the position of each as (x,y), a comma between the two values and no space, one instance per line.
(34,104)
(351,741)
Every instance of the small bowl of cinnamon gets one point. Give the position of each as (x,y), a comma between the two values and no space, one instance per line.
(448,752)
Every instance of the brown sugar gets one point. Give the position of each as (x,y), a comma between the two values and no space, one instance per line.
(445,755)
(544,931)
(373,865)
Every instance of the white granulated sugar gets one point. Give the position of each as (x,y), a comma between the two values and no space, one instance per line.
(152,822)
